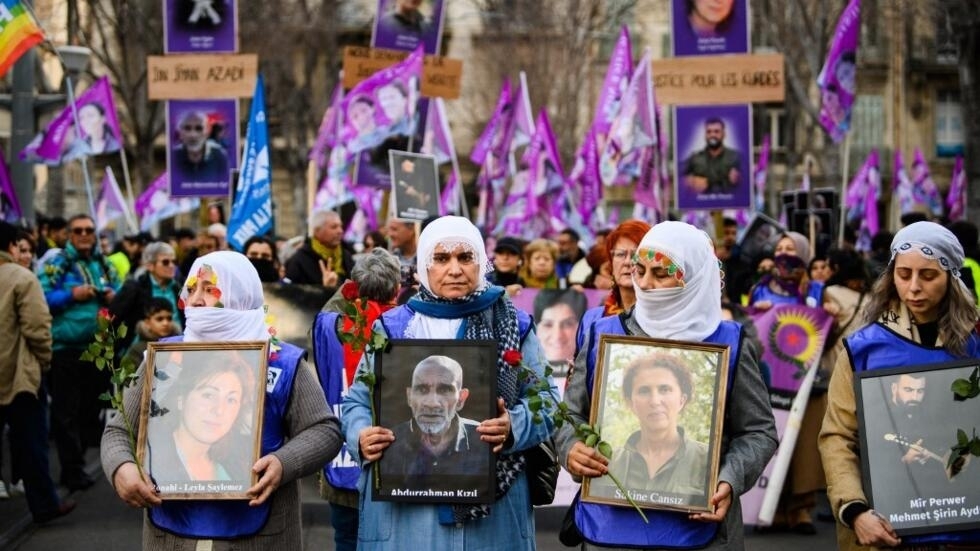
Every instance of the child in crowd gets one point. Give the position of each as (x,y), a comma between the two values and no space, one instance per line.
(157,323)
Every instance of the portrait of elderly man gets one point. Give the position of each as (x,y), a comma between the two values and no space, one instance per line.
(196,158)
(436,441)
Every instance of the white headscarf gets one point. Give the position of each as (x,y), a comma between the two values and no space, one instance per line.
(241,316)
(690,312)
(450,232)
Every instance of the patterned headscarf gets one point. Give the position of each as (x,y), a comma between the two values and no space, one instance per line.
(240,314)
(802,246)
(932,241)
(692,311)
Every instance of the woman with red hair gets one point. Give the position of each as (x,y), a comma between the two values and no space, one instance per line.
(620,244)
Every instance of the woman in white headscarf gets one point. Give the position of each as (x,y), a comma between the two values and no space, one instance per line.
(223,301)
(677,280)
(455,302)
(920,313)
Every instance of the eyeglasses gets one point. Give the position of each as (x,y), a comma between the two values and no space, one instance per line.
(166,261)
(622,254)
(83,231)
(192,128)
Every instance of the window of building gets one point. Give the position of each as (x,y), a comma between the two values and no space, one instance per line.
(949,124)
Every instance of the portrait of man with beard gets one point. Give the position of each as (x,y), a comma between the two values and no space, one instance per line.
(436,441)
(714,169)
(197,159)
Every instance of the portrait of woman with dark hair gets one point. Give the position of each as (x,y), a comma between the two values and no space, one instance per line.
(204,421)
(710,17)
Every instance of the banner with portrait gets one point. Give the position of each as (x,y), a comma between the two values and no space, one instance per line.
(200,26)
(709,27)
(202,146)
(713,157)
(557,313)
(650,394)
(414,185)
(201,417)
(910,424)
(432,394)
(405,26)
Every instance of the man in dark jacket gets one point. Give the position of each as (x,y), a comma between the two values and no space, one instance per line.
(323,259)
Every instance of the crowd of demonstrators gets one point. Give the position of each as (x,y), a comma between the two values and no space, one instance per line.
(540,265)
(263,254)
(157,280)
(570,265)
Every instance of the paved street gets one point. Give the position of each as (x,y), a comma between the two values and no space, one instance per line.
(103,523)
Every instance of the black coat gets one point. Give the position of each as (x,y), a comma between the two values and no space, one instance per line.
(303,268)
(129,303)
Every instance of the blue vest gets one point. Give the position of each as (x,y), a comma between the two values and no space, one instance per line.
(584,326)
(876,347)
(235,519)
(395,321)
(606,525)
(328,356)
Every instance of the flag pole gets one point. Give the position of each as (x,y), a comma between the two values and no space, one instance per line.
(130,196)
(843,190)
(84,159)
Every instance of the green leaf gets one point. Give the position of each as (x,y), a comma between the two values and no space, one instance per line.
(105,397)
(605,449)
(537,419)
(121,332)
(585,427)
(961,388)
(592,440)
(962,439)
(975,447)
(100,363)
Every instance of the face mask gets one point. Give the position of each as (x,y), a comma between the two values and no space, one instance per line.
(268,273)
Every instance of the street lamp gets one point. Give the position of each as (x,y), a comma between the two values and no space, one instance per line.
(75,59)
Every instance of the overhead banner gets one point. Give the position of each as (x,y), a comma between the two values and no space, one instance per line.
(712,156)
(202,146)
(200,26)
(405,26)
(709,28)
(720,79)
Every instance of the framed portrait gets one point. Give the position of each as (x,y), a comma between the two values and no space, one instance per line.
(760,238)
(659,404)
(709,28)
(909,419)
(414,185)
(201,411)
(432,394)
(202,146)
(712,156)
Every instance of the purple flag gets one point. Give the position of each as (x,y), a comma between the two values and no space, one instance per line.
(761,172)
(494,131)
(923,187)
(861,200)
(365,219)
(155,203)
(99,134)
(902,188)
(336,183)
(837,78)
(648,185)
(111,205)
(330,127)
(385,104)
(10,210)
(585,179)
(520,127)
(793,337)
(615,84)
(438,142)
(956,198)
(633,128)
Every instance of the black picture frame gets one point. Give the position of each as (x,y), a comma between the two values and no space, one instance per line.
(414,185)
(406,472)
(905,448)
(687,481)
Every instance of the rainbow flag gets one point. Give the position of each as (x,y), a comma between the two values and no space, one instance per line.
(18,33)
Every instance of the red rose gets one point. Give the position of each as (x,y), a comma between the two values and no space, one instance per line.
(512,357)
(349,290)
(104,314)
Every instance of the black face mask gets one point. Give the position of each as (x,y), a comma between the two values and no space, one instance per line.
(268,273)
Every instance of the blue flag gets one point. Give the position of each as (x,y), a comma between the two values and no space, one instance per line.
(251,211)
